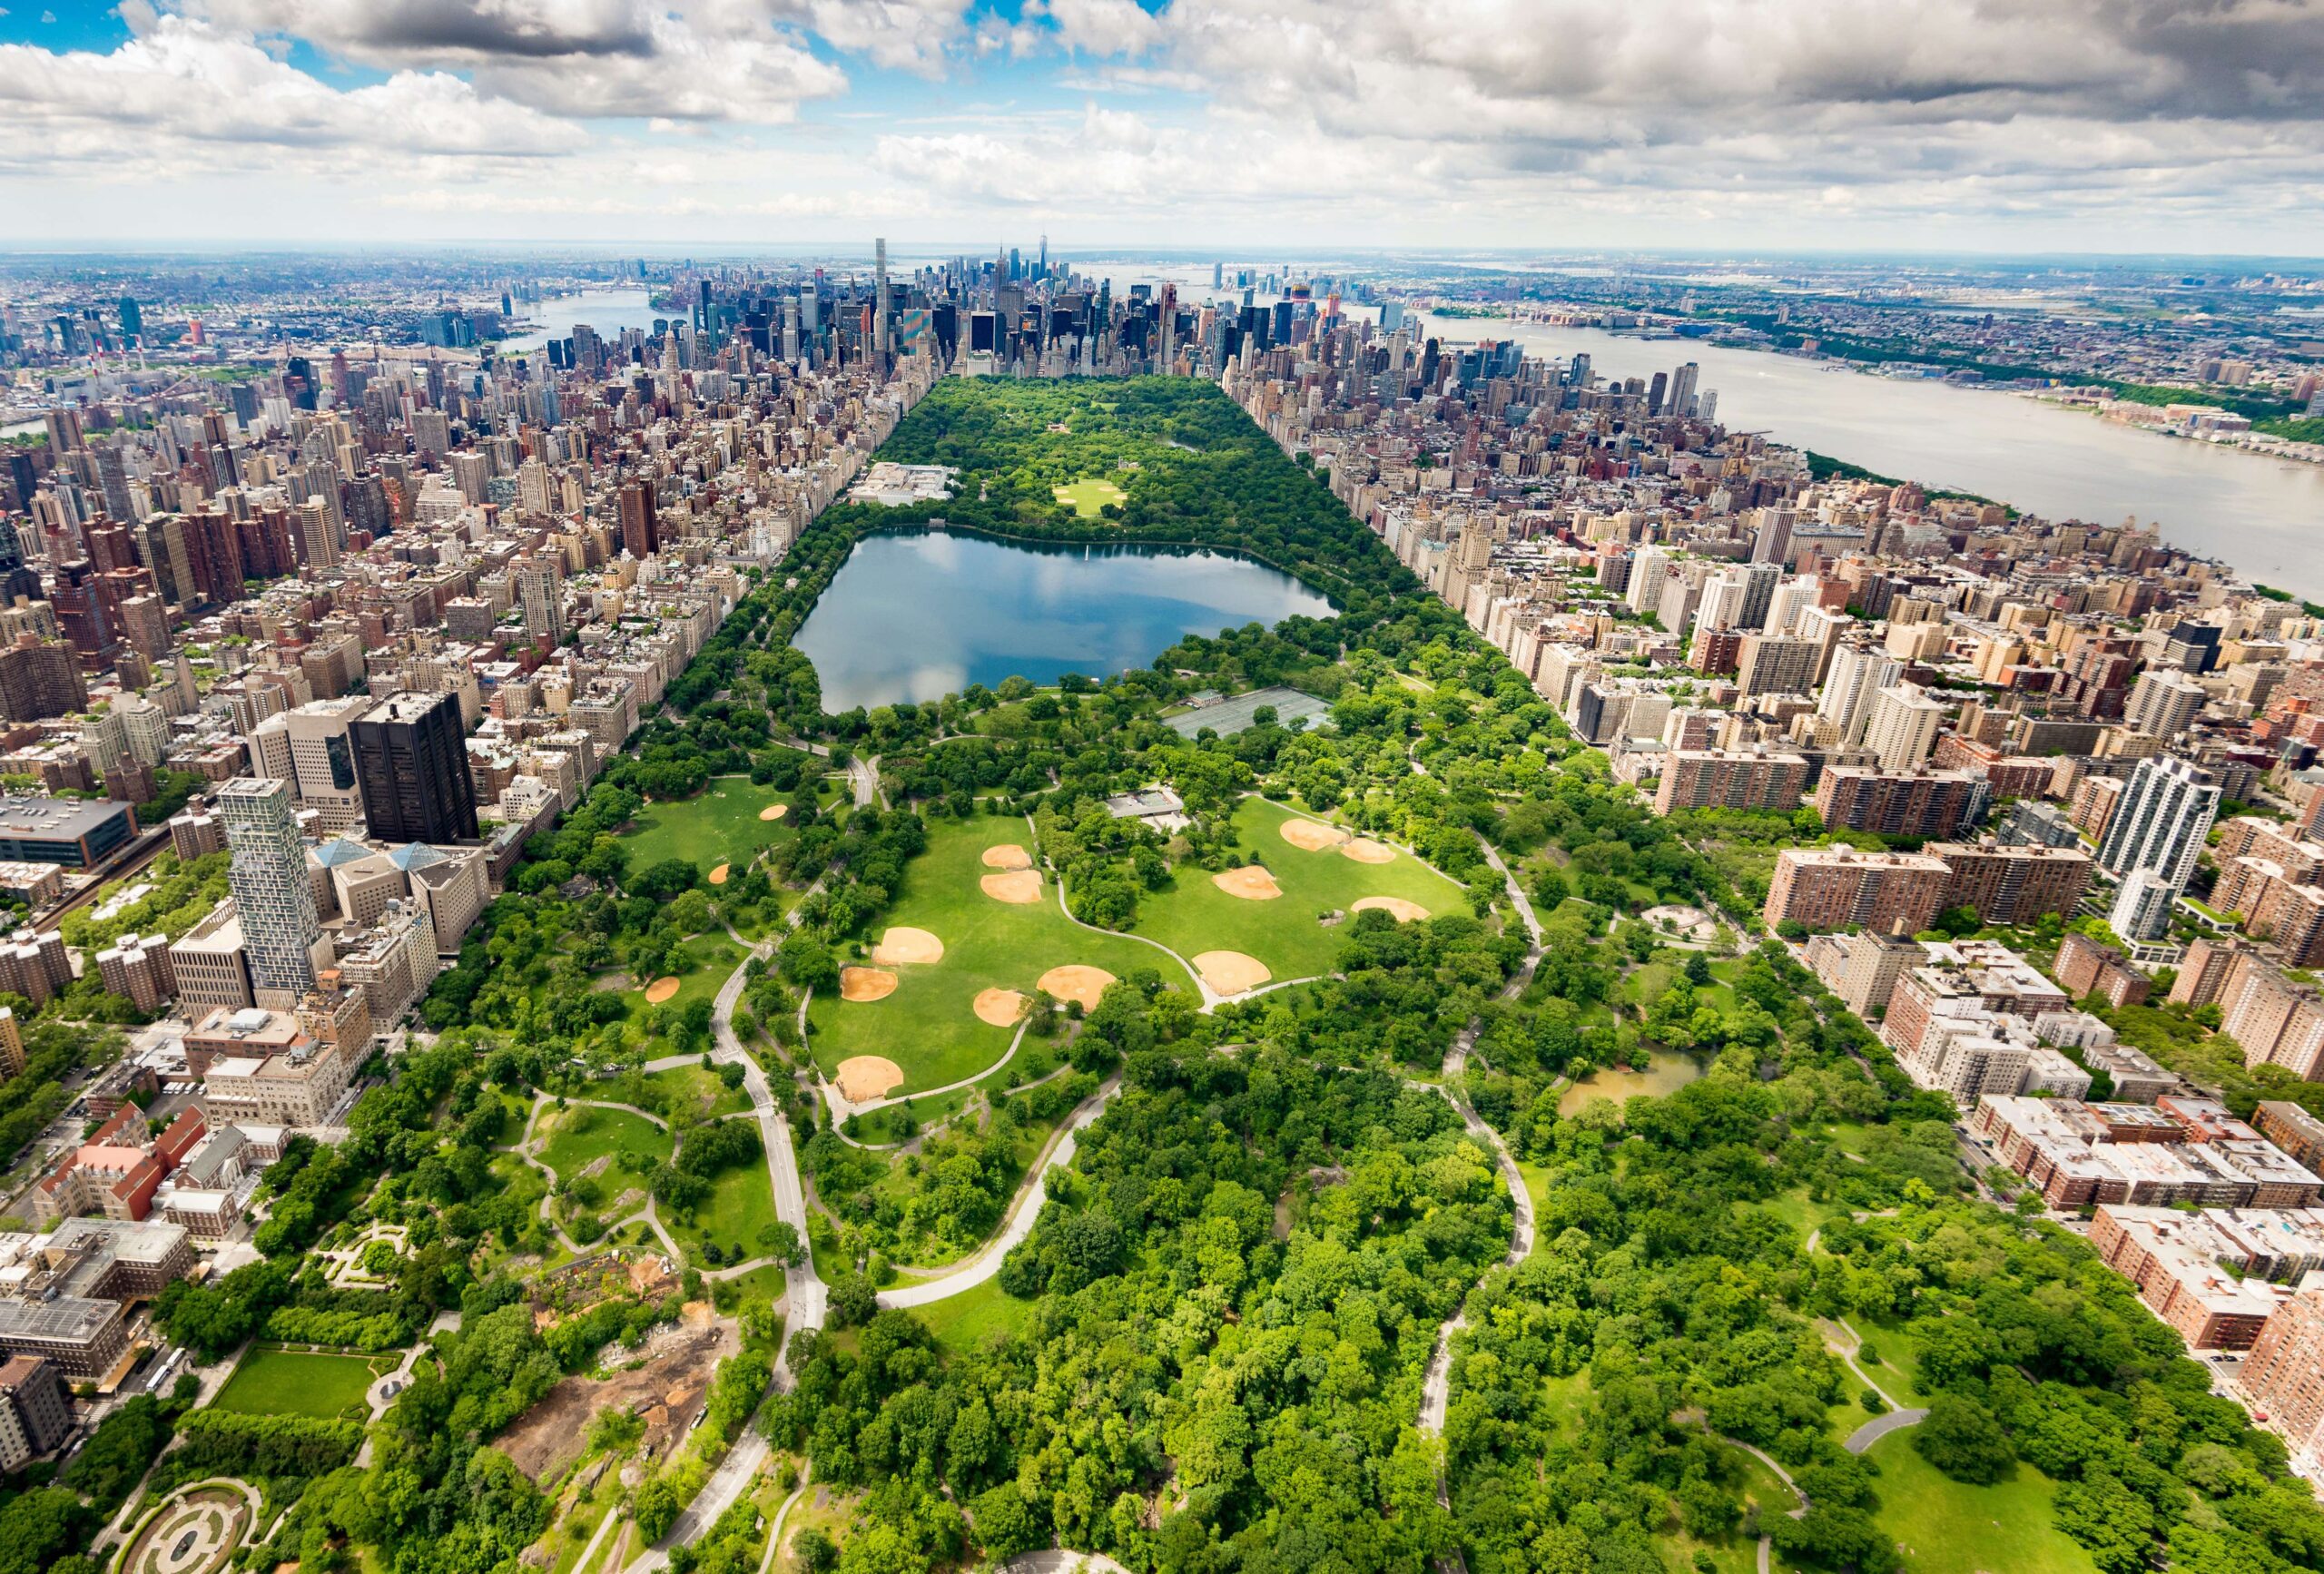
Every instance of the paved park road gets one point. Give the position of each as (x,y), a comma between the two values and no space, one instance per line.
(986,1263)
(804,1292)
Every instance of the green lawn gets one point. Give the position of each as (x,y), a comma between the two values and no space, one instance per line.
(741,1203)
(763,1285)
(1736,1553)
(927,1026)
(276,1381)
(1089,495)
(690,1093)
(710,959)
(1286,932)
(583,1134)
(1942,1527)
(1898,1371)
(887,1125)
(720,824)
(965,1323)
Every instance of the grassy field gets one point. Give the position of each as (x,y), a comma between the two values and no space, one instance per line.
(927,1026)
(1736,1553)
(1286,933)
(965,1322)
(1942,1527)
(1088,497)
(275,1381)
(741,1203)
(711,958)
(720,824)
(694,1094)
(580,1136)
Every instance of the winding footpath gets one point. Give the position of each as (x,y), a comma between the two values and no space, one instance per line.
(804,1296)
(1023,1214)
(1437,1386)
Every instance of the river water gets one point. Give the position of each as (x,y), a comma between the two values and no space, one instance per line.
(915,615)
(609,311)
(2264,516)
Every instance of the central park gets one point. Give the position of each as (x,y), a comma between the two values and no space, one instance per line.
(1198,1125)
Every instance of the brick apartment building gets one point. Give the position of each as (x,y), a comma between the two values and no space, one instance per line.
(2087,967)
(1833,887)
(1730,779)
(2013,885)
(1917,803)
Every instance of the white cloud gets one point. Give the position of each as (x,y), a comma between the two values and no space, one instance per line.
(582,58)
(915,36)
(184,82)
(1099,28)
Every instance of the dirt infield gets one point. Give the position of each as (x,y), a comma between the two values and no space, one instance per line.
(1000,1007)
(1251,882)
(862,984)
(1395,907)
(906,946)
(1231,972)
(1309,836)
(1021,887)
(863,1077)
(1007,855)
(1077,982)
(719,876)
(1363,850)
(774,812)
(661,989)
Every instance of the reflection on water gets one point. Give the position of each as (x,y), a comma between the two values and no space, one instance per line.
(1667,1074)
(606,311)
(915,615)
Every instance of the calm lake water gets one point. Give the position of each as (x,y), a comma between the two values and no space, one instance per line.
(1665,1073)
(2260,514)
(915,615)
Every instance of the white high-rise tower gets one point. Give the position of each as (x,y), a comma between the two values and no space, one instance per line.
(268,873)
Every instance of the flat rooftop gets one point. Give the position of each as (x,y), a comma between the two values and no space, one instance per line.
(58,818)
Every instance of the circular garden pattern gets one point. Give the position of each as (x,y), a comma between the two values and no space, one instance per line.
(193,1533)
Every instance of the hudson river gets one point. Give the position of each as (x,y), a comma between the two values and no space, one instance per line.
(2263,517)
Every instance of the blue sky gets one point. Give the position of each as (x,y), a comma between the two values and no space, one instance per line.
(1554,125)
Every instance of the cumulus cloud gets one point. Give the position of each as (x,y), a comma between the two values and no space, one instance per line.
(620,58)
(915,36)
(1471,121)
(183,81)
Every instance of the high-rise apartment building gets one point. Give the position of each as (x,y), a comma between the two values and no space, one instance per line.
(1902,729)
(1831,888)
(267,874)
(634,503)
(2009,884)
(1856,672)
(540,597)
(411,758)
(1730,779)
(2160,822)
(1917,803)
(2163,705)
(39,679)
(1774,664)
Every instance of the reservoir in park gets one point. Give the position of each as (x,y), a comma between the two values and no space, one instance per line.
(914,616)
